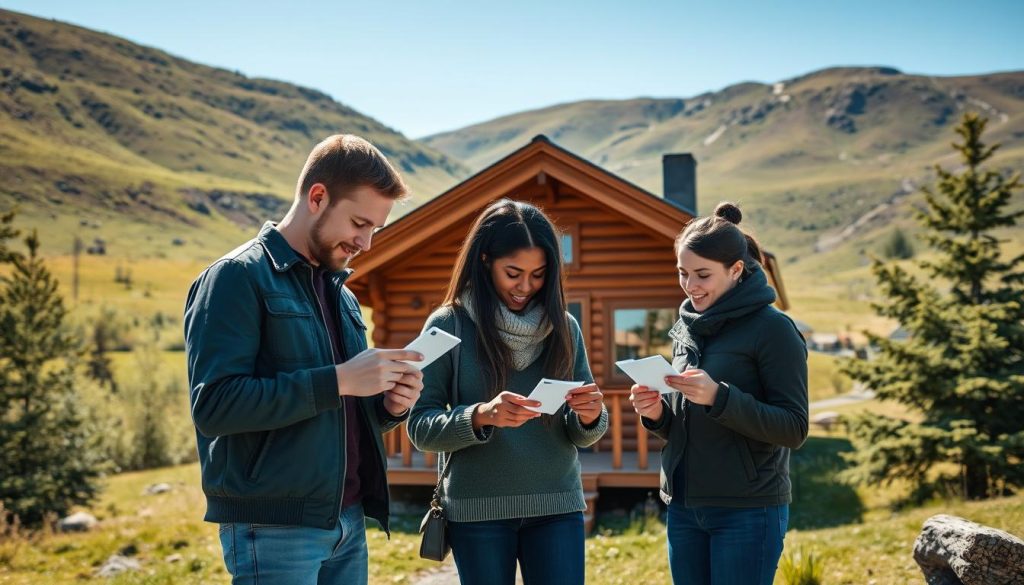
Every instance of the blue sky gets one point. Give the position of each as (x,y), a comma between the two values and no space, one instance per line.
(423,67)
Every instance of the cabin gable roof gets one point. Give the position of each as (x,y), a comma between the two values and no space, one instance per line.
(460,202)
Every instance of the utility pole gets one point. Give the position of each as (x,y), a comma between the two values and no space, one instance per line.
(76,249)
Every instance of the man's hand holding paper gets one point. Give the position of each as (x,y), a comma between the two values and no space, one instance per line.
(432,344)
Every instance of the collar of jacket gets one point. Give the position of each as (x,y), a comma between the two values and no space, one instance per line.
(283,257)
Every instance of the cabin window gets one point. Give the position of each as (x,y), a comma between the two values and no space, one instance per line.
(567,251)
(636,328)
(639,333)
(570,247)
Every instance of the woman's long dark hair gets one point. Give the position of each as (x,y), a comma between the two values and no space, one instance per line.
(504,228)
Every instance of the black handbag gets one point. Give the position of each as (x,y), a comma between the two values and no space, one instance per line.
(434,543)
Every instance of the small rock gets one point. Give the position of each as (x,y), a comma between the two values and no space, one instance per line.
(175,558)
(116,565)
(157,488)
(77,522)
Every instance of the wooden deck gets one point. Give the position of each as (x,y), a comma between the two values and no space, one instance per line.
(598,469)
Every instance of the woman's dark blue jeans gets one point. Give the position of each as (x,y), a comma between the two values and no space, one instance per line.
(549,550)
(725,546)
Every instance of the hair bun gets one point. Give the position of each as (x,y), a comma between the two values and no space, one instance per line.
(729,211)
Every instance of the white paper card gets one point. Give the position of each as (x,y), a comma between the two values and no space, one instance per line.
(551,394)
(650,372)
(432,343)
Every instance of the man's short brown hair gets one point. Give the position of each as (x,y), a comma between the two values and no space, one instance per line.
(344,162)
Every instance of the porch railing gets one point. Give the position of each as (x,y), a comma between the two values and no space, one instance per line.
(617,401)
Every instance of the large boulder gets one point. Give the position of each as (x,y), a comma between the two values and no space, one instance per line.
(954,551)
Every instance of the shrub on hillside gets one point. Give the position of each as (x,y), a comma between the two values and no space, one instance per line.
(801,568)
(149,420)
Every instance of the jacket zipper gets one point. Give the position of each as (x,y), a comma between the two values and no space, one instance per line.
(678,458)
(343,439)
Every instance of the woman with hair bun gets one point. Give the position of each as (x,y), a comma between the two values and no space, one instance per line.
(740,406)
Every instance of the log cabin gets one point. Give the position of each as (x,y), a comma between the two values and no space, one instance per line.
(621,284)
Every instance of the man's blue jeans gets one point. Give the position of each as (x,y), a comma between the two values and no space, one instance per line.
(725,546)
(272,554)
(549,550)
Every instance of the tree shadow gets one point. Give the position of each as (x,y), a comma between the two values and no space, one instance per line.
(820,499)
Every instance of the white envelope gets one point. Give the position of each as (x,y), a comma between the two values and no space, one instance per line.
(650,372)
(432,343)
(551,394)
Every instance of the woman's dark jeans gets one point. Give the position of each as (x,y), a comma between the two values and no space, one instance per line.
(725,546)
(549,550)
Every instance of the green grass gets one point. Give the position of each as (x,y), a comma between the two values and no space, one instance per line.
(820,502)
(879,549)
(162,525)
(855,531)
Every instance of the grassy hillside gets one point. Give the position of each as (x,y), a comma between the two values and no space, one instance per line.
(825,165)
(101,137)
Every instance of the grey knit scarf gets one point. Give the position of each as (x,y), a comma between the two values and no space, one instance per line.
(523,333)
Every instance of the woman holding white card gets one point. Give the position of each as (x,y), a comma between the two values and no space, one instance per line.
(740,406)
(513,490)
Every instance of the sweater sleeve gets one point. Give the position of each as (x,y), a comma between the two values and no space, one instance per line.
(434,424)
(583,435)
(781,418)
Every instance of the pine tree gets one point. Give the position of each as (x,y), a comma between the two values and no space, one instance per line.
(962,369)
(48,458)
(897,246)
(7,232)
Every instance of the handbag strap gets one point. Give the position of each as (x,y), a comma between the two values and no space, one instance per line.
(454,399)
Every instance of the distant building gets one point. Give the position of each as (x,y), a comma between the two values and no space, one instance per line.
(824,342)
